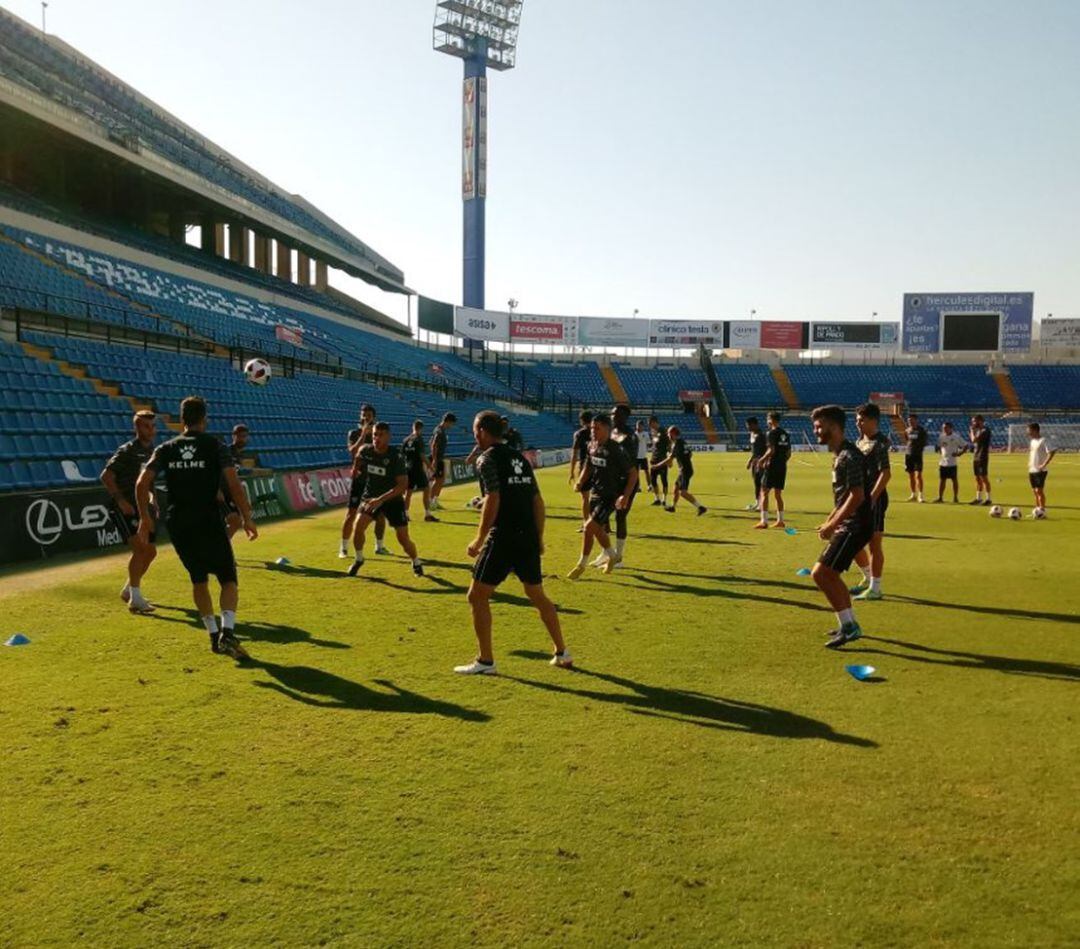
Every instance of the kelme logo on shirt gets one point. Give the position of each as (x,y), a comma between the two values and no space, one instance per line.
(187,452)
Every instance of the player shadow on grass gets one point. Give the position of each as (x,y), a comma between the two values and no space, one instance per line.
(668,587)
(695,708)
(692,540)
(254,631)
(1036,668)
(990,610)
(326,690)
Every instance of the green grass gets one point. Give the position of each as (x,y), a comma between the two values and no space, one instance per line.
(709,775)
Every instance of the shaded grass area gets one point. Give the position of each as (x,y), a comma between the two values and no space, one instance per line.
(708,774)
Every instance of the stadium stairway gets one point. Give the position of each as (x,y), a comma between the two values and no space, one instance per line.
(1008,391)
(43,354)
(787,390)
(710,430)
(614,384)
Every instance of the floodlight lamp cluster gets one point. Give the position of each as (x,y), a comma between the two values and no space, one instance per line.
(464,28)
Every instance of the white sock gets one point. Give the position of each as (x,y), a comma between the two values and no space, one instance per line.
(136,593)
(865,573)
(416,561)
(764,516)
(210,622)
(344,545)
(875,584)
(228,619)
(620,545)
(846,616)
(609,552)
(780,516)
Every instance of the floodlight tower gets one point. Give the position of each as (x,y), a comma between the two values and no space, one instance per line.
(484,34)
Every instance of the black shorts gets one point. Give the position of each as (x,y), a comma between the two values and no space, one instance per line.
(912,463)
(683,481)
(981,468)
(844,545)
(356,492)
(600,510)
(947,473)
(418,479)
(881,506)
(394,512)
(128,525)
(499,558)
(203,548)
(774,479)
(643,465)
(1037,479)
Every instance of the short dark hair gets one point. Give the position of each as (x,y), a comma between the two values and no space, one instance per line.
(773,416)
(418,424)
(752,420)
(1034,427)
(653,418)
(675,430)
(913,415)
(829,413)
(489,422)
(193,410)
(621,409)
(869,410)
(449,417)
(382,426)
(237,429)
(978,418)
(367,407)
(602,419)
(585,418)
(143,413)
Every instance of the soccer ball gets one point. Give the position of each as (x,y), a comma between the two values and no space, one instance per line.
(1014,514)
(474,504)
(1039,513)
(996,511)
(257,372)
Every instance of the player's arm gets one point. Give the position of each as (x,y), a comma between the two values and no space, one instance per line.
(108,479)
(884,474)
(540,517)
(628,491)
(1049,458)
(473,455)
(239,498)
(767,457)
(573,459)
(143,489)
(586,473)
(667,461)
(489,479)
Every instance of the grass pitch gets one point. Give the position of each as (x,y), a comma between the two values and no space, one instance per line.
(709,775)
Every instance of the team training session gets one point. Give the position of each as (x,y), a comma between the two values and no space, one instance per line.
(517,473)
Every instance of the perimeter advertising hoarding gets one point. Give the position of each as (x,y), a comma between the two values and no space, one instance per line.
(560,330)
(743,334)
(923,318)
(601,331)
(854,335)
(686,333)
(1060,334)
(755,334)
(490,325)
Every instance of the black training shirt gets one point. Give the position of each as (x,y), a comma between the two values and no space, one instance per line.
(780,443)
(757,444)
(438,445)
(626,438)
(982,446)
(192,465)
(505,471)
(381,471)
(848,474)
(126,465)
(413,450)
(661,446)
(876,454)
(610,469)
(682,455)
(580,448)
(916,441)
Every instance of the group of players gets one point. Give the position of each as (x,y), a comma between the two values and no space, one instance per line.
(610,460)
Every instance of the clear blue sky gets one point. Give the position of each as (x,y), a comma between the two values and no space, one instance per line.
(699,158)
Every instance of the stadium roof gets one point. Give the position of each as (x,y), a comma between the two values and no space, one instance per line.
(47,78)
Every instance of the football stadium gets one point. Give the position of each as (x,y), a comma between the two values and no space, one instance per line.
(339,611)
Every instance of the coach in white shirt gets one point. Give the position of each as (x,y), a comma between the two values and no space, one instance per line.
(951,446)
(1040,454)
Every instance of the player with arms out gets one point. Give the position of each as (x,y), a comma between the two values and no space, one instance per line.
(913,456)
(682,456)
(848,528)
(510,538)
(354,441)
(874,445)
(413,450)
(438,458)
(753,465)
(658,474)
(610,478)
(979,434)
(773,465)
(1040,454)
(385,482)
(229,511)
(951,447)
(579,453)
(121,472)
(193,464)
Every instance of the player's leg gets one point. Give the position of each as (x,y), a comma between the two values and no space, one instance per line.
(142,555)
(348,525)
(862,561)
(622,531)
(480,604)
(779,494)
(763,520)
(956,486)
(919,482)
(380,534)
(359,537)
(664,482)
(828,575)
(550,617)
(204,603)
(676,494)
(910,466)
(941,485)
(409,547)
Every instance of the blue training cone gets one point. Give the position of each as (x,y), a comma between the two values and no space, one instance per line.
(860,672)
(18,640)
(802,572)
(790,531)
(283,561)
